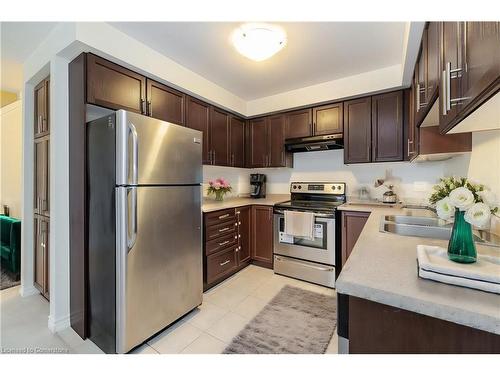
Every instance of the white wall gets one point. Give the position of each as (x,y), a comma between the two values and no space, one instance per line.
(237,177)
(11,133)
(484,163)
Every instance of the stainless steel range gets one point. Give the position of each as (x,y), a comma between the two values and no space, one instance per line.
(309,259)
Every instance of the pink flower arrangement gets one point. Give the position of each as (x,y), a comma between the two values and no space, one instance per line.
(219,187)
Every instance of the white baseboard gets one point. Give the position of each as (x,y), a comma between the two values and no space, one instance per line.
(59,324)
(27,291)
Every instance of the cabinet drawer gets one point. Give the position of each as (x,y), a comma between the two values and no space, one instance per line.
(217,217)
(221,243)
(216,231)
(221,263)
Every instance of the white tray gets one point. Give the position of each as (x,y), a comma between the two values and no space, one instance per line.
(433,264)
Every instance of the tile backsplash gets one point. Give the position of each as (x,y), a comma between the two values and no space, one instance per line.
(412,181)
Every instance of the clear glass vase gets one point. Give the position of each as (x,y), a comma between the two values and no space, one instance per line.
(219,195)
(461,247)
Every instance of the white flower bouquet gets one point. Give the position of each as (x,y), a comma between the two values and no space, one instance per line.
(459,194)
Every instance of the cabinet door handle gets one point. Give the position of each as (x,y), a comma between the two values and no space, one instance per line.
(449,75)
(224,229)
(224,243)
(223,216)
(408,152)
(213,159)
(150,108)
(224,263)
(232,160)
(39,124)
(143,107)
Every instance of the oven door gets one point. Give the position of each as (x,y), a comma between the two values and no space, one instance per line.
(321,249)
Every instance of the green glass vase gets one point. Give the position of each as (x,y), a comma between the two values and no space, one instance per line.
(461,247)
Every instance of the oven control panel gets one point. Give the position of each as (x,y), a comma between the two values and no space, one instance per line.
(336,188)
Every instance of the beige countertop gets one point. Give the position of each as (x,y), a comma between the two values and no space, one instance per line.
(210,204)
(382,268)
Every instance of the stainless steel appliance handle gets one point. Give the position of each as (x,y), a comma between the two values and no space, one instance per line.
(418,97)
(328,216)
(132,237)
(135,151)
(326,269)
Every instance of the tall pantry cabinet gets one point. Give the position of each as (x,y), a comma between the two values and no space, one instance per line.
(41,188)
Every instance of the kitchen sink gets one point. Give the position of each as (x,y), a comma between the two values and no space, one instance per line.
(417,220)
(442,233)
(430,227)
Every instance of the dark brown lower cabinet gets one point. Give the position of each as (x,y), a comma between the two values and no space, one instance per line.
(262,235)
(41,255)
(234,238)
(353,223)
(376,328)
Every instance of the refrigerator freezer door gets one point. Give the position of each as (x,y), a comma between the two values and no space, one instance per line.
(158,261)
(154,152)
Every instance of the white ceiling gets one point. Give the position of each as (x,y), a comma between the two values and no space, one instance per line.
(315,52)
(18,41)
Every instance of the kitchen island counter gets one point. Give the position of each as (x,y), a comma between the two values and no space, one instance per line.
(383,268)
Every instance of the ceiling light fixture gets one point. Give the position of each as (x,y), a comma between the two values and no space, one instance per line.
(258,41)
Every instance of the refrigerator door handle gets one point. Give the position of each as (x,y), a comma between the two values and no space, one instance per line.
(135,151)
(131,237)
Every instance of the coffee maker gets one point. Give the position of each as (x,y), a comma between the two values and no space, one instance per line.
(257,185)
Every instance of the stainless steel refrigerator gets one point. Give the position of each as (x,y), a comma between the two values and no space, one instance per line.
(144,224)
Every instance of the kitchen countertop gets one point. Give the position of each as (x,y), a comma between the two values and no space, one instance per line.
(382,268)
(210,204)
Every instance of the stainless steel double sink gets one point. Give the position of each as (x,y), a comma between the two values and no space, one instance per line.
(430,227)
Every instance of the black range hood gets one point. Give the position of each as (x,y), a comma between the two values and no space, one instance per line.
(316,143)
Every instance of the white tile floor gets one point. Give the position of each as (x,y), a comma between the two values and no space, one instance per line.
(226,309)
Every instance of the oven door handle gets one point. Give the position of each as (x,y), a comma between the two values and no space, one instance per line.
(280,259)
(282,212)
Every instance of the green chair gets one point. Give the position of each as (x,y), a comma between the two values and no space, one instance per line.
(10,243)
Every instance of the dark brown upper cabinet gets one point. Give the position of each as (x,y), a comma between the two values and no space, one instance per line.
(165,103)
(298,123)
(267,142)
(432,81)
(411,149)
(42,127)
(421,91)
(258,143)
(113,86)
(481,50)
(451,57)
(387,127)
(276,131)
(328,119)
(427,72)
(198,117)
(219,137)
(237,144)
(357,130)
(470,69)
